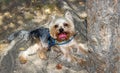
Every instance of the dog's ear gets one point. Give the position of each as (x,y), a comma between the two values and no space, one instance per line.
(68,16)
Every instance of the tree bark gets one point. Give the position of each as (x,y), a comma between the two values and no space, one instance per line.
(104,34)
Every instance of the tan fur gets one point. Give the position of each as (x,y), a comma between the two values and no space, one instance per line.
(66,49)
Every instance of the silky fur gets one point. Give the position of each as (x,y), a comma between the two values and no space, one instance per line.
(70,29)
(66,49)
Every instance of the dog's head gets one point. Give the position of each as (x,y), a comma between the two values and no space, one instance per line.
(62,28)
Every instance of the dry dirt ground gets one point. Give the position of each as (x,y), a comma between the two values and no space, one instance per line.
(15,17)
(21,16)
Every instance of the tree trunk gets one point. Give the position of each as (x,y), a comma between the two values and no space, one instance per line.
(104,34)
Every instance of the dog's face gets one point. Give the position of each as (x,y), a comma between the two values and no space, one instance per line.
(62,28)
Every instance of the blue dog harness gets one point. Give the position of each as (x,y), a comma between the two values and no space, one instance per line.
(53,42)
(44,35)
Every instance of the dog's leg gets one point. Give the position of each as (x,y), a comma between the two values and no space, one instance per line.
(81,48)
(42,53)
(67,55)
(23,56)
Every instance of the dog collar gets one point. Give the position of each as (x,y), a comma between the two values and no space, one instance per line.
(65,42)
(52,42)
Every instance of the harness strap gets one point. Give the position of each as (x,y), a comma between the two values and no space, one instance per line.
(53,42)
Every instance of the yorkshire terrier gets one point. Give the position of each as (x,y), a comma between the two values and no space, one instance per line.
(61,33)
(62,29)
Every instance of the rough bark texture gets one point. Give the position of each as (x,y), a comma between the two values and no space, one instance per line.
(101,32)
(104,35)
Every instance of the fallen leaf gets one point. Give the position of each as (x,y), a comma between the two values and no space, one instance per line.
(21,49)
(59,66)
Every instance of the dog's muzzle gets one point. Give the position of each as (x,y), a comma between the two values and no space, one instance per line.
(61,30)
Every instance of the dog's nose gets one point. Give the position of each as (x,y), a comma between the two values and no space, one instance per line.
(61,30)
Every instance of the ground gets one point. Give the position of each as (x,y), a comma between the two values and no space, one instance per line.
(15,16)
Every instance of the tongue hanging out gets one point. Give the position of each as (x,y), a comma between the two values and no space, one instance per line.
(62,36)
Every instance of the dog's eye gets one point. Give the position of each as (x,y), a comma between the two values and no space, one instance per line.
(65,24)
(56,26)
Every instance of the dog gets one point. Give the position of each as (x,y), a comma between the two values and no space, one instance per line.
(61,33)
(62,29)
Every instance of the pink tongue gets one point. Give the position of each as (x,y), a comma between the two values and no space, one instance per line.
(61,36)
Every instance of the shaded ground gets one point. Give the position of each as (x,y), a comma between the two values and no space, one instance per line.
(15,16)
(28,15)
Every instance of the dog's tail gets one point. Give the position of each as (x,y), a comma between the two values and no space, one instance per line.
(22,34)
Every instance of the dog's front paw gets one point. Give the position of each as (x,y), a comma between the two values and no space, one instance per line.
(42,55)
(22,59)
